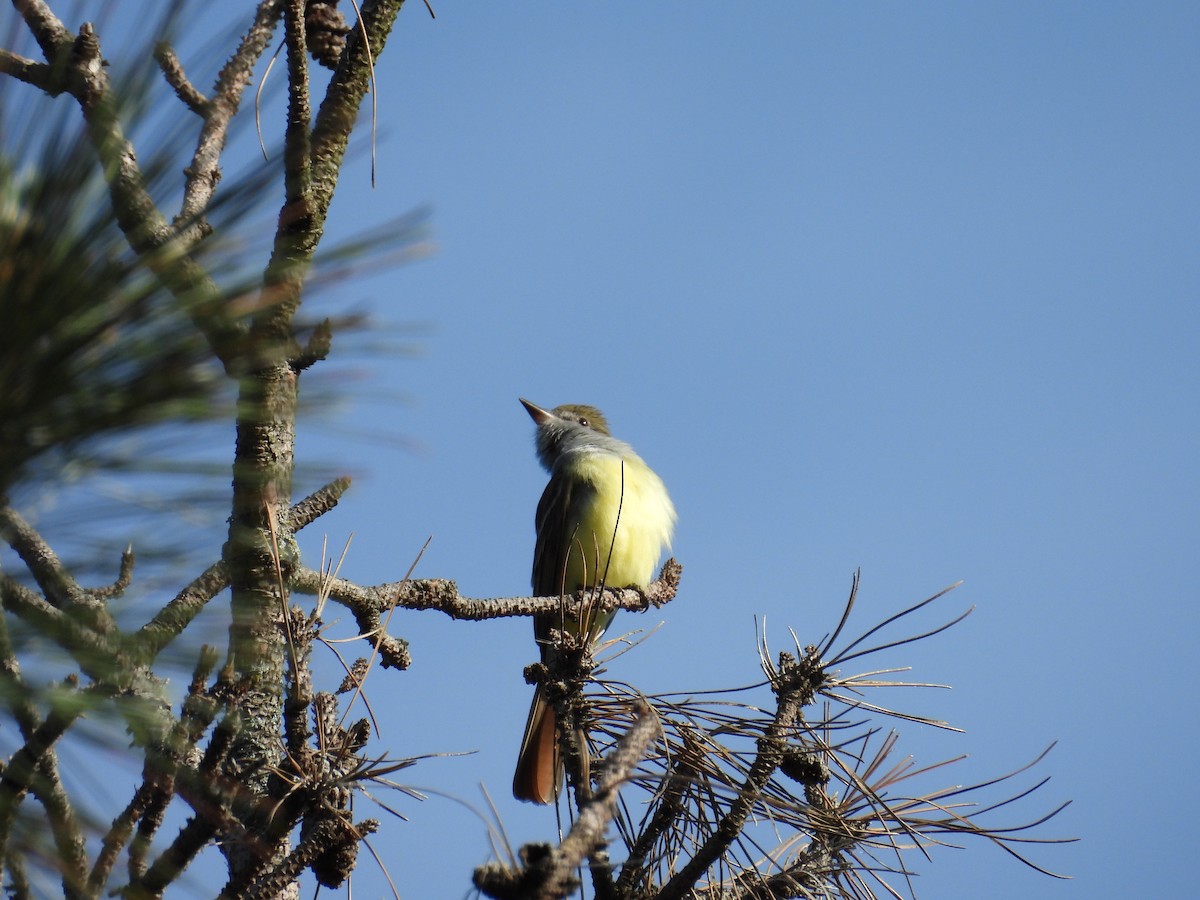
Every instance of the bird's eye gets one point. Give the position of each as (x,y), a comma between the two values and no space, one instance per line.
(583,422)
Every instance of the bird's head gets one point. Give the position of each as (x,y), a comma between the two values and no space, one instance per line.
(564,428)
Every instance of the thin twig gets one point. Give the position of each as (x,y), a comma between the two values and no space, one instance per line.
(172,69)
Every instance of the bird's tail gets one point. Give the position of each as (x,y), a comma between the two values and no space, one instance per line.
(539,774)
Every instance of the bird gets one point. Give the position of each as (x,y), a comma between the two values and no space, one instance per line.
(603,520)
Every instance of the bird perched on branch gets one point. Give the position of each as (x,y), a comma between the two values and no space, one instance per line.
(603,521)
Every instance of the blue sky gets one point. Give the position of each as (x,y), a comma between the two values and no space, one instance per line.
(911,288)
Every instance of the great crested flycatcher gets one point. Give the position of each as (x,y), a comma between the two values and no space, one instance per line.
(603,521)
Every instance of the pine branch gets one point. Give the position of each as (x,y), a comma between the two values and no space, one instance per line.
(547,872)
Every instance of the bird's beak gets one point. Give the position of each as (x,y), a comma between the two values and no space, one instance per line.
(540,416)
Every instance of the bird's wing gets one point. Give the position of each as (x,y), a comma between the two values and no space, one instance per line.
(559,513)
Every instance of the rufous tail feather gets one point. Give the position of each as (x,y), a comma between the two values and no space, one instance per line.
(539,774)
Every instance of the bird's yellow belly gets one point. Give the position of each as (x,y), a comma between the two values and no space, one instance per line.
(630,515)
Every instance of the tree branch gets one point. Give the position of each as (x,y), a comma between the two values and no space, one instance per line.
(124,578)
(37,74)
(170,621)
(795,684)
(344,96)
(58,587)
(26,768)
(172,69)
(370,604)
(205,172)
(549,873)
(91,651)
(51,35)
(442,595)
(47,786)
(318,503)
